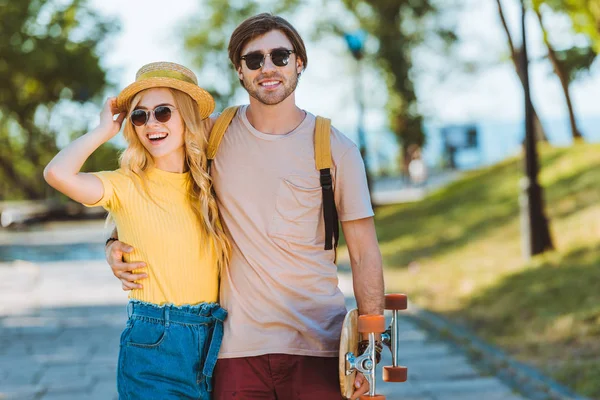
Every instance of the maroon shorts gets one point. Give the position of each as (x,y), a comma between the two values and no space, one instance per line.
(277,377)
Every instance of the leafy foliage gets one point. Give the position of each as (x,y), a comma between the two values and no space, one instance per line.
(577,61)
(48,54)
(585,15)
(399,27)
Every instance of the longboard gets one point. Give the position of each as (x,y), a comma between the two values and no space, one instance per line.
(350,362)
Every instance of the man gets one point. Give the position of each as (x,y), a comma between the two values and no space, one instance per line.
(281,289)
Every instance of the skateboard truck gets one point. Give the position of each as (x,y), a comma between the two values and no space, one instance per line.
(366,362)
(395,303)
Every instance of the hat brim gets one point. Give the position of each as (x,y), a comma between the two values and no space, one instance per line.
(206,103)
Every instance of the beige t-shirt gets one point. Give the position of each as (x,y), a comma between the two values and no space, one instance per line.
(281,287)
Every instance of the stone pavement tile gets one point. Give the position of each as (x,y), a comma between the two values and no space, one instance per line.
(451,367)
(97,339)
(425,351)
(32,322)
(61,313)
(87,346)
(65,378)
(401,391)
(91,323)
(20,377)
(67,395)
(19,396)
(19,392)
(103,390)
(481,396)
(64,396)
(410,333)
(468,386)
(106,339)
(69,389)
(6,338)
(9,334)
(410,397)
(61,354)
(19,370)
(102,372)
(15,349)
(104,356)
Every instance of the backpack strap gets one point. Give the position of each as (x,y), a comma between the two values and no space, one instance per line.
(217,133)
(323,163)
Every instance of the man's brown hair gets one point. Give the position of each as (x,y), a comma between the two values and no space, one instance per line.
(259,25)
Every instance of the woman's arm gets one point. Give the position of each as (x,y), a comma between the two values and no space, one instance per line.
(62,173)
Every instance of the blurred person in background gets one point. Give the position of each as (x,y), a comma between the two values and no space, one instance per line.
(417,169)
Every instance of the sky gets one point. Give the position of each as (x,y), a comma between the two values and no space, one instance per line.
(151,32)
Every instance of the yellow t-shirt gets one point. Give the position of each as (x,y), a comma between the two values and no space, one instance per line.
(165,234)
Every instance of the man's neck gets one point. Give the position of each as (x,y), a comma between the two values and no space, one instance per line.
(277,119)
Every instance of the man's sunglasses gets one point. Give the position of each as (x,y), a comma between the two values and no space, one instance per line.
(140,117)
(280,58)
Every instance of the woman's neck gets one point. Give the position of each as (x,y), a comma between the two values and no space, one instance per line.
(171,163)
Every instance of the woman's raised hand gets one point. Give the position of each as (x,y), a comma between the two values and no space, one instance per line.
(108,123)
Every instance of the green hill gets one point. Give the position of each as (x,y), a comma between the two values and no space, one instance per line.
(458,253)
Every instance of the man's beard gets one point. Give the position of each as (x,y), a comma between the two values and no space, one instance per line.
(272,98)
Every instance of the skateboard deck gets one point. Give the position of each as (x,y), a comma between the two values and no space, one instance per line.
(349,339)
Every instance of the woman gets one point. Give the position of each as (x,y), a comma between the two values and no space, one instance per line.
(160,200)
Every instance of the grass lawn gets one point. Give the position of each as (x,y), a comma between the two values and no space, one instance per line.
(458,253)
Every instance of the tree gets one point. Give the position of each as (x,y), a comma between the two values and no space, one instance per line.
(567,64)
(48,55)
(207,36)
(515,54)
(399,27)
(561,74)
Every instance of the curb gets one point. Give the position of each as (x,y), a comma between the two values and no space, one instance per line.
(522,378)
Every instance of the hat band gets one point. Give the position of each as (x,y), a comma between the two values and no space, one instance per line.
(166,74)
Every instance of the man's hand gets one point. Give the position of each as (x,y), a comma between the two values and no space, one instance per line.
(361,386)
(122,270)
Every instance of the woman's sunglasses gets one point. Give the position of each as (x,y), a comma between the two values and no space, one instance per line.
(280,58)
(162,114)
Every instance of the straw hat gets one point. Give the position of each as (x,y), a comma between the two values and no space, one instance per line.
(171,75)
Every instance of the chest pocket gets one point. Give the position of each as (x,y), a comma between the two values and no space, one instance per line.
(298,211)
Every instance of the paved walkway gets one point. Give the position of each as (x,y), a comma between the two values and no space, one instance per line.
(59,337)
(60,324)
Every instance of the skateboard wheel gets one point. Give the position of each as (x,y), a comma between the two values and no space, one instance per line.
(375,397)
(396,301)
(395,374)
(371,323)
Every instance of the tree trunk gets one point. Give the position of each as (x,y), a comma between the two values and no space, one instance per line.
(564,82)
(538,128)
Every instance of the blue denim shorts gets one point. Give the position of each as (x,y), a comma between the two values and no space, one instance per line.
(169,352)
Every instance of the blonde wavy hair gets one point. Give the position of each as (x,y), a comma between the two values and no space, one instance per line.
(135,159)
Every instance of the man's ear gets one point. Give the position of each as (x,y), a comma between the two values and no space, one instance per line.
(299,66)
(240,75)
